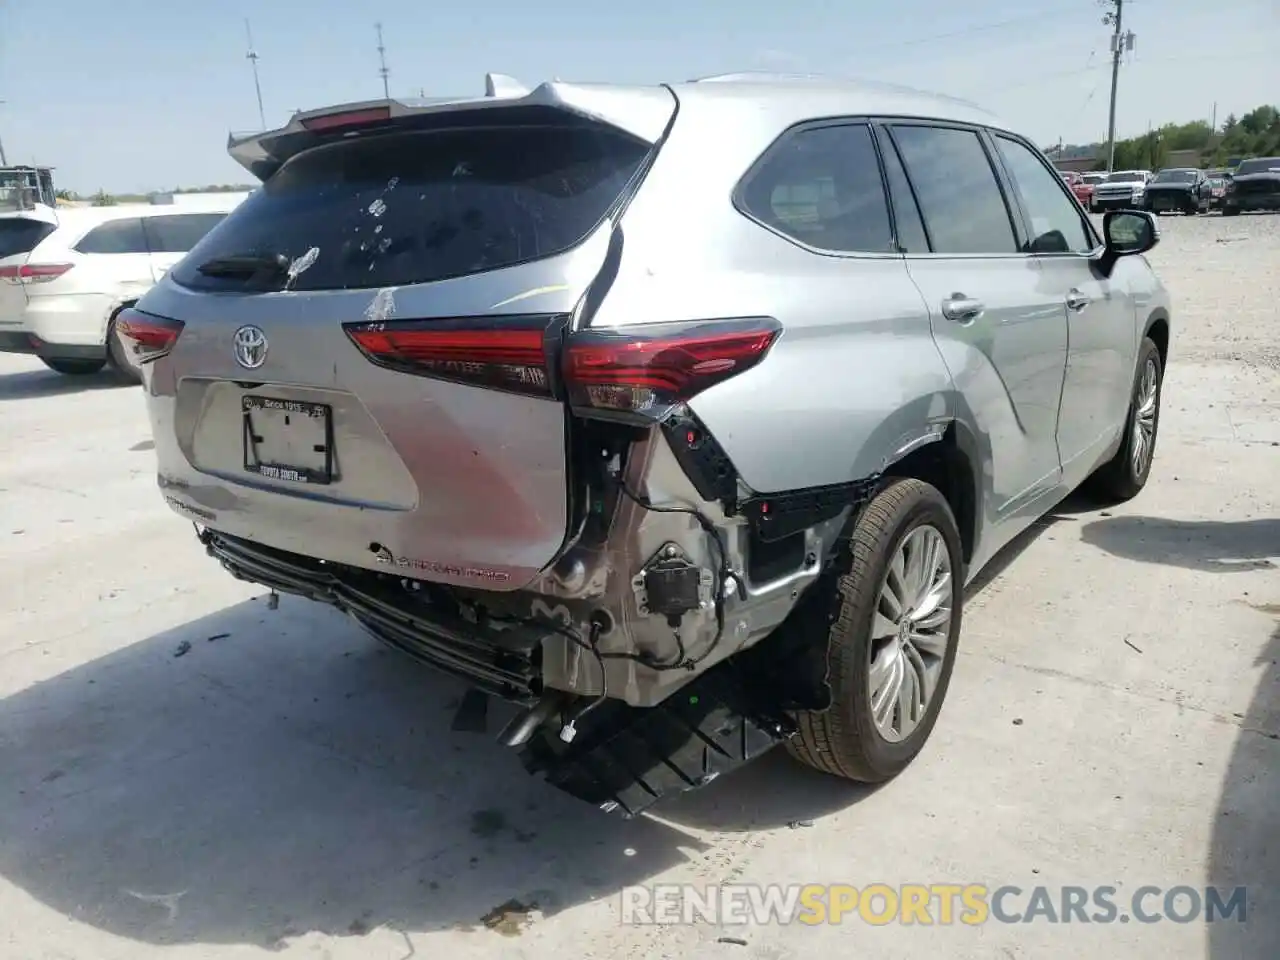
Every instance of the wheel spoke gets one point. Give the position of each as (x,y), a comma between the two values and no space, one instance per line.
(930,643)
(886,686)
(922,682)
(910,631)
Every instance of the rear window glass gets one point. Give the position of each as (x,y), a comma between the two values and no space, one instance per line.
(179,232)
(21,235)
(418,206)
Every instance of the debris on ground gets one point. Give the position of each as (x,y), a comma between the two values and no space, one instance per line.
(183,649)
(797,824)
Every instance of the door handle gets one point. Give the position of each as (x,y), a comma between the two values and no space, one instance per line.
(1077,301)
(962,309)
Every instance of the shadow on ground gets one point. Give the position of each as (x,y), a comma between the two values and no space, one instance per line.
(256,775)
(1245,847)
(1209,545)
(30,384)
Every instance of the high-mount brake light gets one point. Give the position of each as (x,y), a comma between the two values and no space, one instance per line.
(644,371)
(34,272)
(347,118)
(502,353)
(148,337)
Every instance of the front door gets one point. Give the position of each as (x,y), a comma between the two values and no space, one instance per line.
(1101,351)
(1002,332)
(171,235)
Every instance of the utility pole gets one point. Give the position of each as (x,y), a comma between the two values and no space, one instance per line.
(252,57)
(382,60)
(4,161)
(1120,42)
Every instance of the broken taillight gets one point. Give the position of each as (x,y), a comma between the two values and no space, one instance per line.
(505,353)
(646,370)
(34,272)
(148,336)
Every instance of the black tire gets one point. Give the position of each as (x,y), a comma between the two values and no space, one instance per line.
(1231,211)
(117,357)
(843,740)
(1118,480)
(74,368)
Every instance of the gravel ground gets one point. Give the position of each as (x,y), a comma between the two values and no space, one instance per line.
(185,773)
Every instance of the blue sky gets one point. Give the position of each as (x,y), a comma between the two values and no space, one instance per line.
(140,94)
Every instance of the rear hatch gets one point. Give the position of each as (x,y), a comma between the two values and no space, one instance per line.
(20,234)
(361,358)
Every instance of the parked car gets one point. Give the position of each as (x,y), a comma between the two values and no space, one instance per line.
(1214,190)
(1254,185)
(66,273)
(679,416)
(1124,190)
(1082,190)
(1089,182)
(1179,189)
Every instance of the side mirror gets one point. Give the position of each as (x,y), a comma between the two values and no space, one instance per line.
(1126,233)
(1130,232)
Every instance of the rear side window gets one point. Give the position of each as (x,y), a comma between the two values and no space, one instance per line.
(21,235)
(178,232)
(959,195)
(115,236)
(822,187)
(418,206)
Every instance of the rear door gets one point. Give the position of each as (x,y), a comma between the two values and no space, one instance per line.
(171,236)
(1001,331)
(387,397)
(1101,352)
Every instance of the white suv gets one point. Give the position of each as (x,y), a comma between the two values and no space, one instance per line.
(65,273)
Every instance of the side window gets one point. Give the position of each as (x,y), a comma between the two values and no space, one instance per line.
(1056,225)
(959,195)
(179,232)
(906,213)
(822,187)
(114,236)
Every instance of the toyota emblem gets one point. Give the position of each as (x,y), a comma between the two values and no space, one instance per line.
(250,347)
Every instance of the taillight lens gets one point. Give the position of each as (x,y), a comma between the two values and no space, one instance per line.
(347,118)
(34,272)
(502,353)
(147,336)
(645,370)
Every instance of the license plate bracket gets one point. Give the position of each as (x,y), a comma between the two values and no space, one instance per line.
(288,440)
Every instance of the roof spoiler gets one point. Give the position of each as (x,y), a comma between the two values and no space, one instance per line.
(643,112)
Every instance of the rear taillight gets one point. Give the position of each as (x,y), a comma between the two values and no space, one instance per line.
(148,337)
(644,371)
(505,353)
(34,272)
(636,372)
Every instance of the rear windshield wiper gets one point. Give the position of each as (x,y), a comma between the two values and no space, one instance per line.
(247,265)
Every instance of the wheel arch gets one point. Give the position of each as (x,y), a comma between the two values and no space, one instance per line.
(948,461)
(1157,328)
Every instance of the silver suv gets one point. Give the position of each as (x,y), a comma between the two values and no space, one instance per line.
(680,416)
